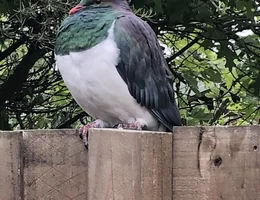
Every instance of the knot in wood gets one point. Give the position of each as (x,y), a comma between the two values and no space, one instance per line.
(218,161)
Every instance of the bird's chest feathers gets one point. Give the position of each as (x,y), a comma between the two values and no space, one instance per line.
(91,75)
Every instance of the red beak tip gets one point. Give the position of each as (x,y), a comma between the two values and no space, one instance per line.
(75,9)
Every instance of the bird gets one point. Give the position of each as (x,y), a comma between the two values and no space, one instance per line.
(113,65)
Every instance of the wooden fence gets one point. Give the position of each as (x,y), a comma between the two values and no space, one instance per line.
(193,163)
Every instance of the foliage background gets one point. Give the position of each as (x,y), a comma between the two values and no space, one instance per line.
(212,47)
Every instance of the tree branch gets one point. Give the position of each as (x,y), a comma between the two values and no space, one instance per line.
(14,83)
(10,49)
(183,49)
(68,123)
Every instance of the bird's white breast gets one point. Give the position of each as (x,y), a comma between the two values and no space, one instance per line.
(94,82)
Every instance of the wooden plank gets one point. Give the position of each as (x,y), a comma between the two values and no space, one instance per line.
(129,165)
(216,163)
(55,165)
(11,186)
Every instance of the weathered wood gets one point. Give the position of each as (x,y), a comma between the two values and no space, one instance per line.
(55,165)
(209,163)
(10,166)
(216,163)
(125,165)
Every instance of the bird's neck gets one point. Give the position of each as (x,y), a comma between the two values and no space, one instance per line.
(84,30)
(122,4)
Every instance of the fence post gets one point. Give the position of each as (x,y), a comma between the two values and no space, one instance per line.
(216,163)
(129,165)
(55,165)
(11,169)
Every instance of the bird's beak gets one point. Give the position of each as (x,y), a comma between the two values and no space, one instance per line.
(75,9)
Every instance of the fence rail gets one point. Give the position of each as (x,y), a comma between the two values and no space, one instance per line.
(200,163)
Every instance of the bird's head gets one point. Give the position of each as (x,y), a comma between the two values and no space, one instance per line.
(97,3)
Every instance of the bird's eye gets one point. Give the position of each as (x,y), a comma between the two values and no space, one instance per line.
(98,1)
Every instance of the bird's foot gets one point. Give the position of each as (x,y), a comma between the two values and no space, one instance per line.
(133,126)
(83,131)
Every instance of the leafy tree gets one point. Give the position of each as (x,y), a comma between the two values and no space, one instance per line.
(212,47)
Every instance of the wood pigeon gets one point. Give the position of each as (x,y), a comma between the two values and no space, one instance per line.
(114,67)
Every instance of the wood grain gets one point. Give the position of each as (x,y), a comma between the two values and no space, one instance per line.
(125,165)
(193,163)
(55,165)
(11,185)
(216,163)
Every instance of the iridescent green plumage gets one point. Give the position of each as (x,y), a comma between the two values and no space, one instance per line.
(84,30)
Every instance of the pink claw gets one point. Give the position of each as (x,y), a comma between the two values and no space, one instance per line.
(83,132)
(133,126)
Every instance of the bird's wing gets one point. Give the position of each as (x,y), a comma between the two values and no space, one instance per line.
(144,69)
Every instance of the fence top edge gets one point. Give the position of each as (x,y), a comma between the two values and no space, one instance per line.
(175,129)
